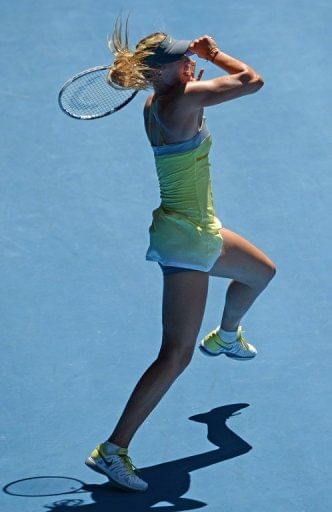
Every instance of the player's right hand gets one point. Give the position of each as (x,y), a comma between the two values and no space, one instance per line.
(202,46)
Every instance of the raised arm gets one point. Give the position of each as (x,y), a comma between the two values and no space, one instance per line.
(241,80)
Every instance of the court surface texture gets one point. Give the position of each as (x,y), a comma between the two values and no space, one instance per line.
(81,308)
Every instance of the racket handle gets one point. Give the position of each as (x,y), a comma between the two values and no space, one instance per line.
(199,76)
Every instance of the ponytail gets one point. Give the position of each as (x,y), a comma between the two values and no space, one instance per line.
(129,69)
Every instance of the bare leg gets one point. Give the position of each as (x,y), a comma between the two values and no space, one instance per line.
(250,270)
(184,300)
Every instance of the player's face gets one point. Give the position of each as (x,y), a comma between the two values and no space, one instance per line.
(182,71)
(187,69)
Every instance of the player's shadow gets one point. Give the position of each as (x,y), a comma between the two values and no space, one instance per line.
(168,481)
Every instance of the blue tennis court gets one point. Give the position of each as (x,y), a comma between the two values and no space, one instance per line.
(81,308)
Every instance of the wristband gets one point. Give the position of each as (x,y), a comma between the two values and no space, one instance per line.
(212,54)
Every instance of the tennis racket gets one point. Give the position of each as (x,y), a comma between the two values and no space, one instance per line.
(88,95)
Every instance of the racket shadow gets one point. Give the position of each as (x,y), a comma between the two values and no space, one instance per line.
(168,481)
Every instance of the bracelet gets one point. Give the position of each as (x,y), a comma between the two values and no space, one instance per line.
(212,54)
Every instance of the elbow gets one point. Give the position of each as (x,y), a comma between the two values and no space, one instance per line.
(259,81)
(253,80)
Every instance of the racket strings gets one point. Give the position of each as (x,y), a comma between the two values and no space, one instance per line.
(90,95)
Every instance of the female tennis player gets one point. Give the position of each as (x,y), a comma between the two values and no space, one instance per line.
(186,237)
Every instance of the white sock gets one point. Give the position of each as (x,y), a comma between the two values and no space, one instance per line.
(227,336)
(110,448)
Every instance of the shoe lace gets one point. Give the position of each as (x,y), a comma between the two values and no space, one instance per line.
(243,341)
(213,335)
(123,453)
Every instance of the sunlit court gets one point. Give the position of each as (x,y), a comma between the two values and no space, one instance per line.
(165,256)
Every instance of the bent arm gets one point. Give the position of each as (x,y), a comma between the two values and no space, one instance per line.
(225,88)
(242,78)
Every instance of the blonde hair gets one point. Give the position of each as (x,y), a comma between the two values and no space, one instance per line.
(129,69)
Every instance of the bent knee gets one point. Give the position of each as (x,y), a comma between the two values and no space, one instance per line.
(261,277)
(272,270)
(267,274)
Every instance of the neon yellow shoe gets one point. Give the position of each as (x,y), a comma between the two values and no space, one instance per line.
(118,467)
(240,349)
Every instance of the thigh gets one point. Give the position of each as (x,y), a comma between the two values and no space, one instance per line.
(184,299)
(242,261)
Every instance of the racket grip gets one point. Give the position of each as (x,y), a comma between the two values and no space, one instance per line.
(199,76)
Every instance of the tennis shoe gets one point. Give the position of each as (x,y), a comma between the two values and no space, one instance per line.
(240,349)
(118,467)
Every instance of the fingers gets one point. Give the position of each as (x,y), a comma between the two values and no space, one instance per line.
(202,46)
(205,38)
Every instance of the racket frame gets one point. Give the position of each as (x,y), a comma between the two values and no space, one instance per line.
(99,116)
